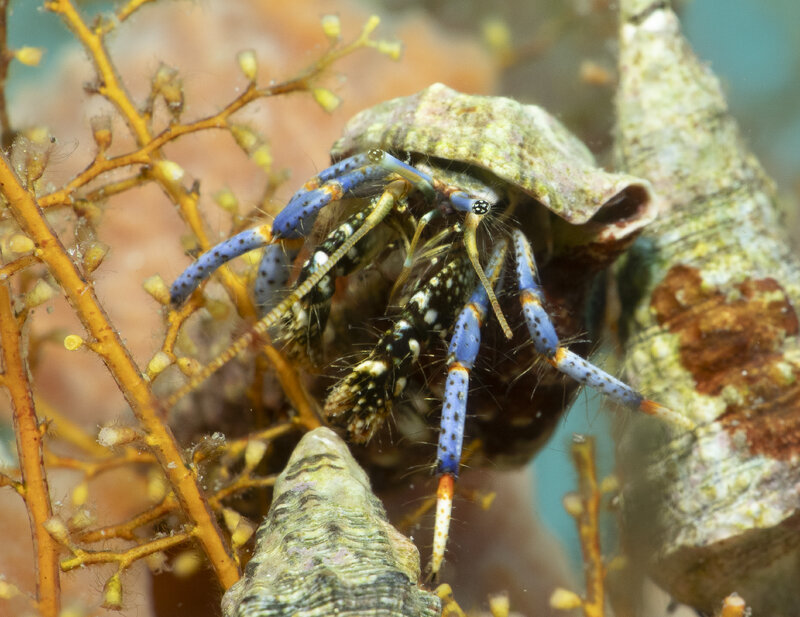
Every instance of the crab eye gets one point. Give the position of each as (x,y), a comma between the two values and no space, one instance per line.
(464,203)
(376,156)
(481,207)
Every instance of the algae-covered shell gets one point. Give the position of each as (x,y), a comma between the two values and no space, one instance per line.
(521,144)
(712,293)
(326,547)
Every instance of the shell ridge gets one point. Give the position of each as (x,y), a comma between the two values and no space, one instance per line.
(519,143)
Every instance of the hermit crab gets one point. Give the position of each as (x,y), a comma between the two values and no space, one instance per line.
(445,186)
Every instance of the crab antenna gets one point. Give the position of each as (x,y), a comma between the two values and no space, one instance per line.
(471,245)
(409,260)
(384,205)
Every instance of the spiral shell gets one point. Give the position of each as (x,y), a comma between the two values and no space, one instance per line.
(522,145)
(326,547)
(714,334)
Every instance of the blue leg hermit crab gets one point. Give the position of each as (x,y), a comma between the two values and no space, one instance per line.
(446,179)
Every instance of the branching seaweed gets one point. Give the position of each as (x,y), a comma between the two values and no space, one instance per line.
(33,485)
(584,506)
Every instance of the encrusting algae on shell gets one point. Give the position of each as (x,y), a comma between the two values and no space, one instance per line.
(712,331)
(326,547)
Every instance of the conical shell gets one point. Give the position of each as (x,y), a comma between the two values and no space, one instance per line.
(326,548)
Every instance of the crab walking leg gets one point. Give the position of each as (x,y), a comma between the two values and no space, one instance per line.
(296,218)
(294,221)
(545,341)
(331,173)
(460,359)
(392,194)
(243,242)
(272,275)
(583,371)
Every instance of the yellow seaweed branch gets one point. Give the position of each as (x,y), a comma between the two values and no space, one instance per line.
(124,558)
(108,345)
(127,529)
(111,88)
(584,507)
(250,449)
(582,451)
(21,193)
(131,7)
(34,487)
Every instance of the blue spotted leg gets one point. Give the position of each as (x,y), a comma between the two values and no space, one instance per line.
(336,181)
(295,221)
(272,275)
(461,354)
(243,242)
(545,341)
(332,184)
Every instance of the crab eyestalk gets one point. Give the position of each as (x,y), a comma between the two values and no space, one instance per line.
(417,178)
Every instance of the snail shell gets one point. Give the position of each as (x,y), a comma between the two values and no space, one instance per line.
(326,547)
(713,333)
(521,145)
